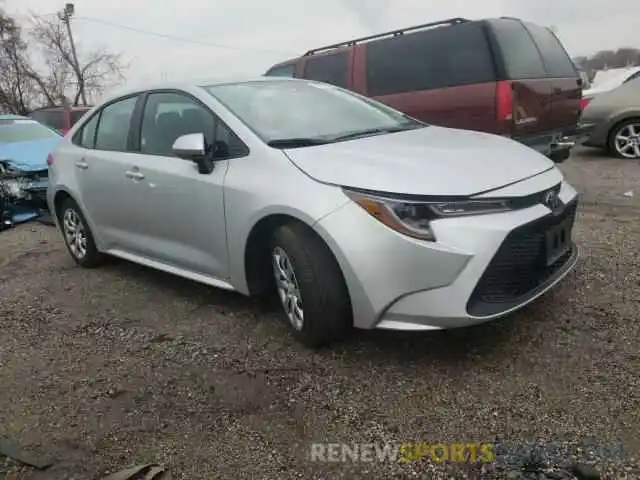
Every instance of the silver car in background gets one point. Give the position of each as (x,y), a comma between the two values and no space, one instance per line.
(352,212)
(615,118)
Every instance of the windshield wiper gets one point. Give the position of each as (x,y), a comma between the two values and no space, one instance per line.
(296,142)
(375,131)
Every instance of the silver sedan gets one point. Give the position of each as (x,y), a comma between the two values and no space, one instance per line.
(615,118)
(353,213)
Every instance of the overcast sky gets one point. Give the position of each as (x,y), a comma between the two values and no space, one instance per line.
(261,33)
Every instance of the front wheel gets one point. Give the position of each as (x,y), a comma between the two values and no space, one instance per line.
(624,139)
(310,286)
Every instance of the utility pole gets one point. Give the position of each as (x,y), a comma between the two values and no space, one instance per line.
(65,16)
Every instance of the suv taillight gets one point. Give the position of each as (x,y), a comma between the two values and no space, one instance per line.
(49,159)
(504,104)
(584,102)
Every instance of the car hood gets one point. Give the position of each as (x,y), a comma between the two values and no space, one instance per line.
(427,161)
(28,156)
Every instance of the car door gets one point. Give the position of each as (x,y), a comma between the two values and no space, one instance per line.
(101,163)
(178,212)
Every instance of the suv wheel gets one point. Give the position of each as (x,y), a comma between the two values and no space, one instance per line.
(78,236)
(624,139)
(310,286)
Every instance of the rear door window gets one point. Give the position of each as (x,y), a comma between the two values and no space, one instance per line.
(556,60)
(520,54)
(283,71)
(437,58)
(331,68)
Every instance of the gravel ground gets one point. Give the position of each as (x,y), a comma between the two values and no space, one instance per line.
(105,368)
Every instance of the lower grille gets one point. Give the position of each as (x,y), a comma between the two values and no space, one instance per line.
(39,194)
(519,268)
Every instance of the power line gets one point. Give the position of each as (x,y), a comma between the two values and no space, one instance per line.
(175,38)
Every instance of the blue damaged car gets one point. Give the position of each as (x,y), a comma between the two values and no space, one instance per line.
(25,145)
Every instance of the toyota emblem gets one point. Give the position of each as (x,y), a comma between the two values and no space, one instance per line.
(551,200)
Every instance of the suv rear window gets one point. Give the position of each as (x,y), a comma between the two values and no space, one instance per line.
(520,54)
(331,68)
(436,58)
(531,51)
(554,56)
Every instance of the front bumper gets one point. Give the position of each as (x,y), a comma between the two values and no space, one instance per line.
(23,195)
(399,283)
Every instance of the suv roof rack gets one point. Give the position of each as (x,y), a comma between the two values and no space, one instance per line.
(394,33)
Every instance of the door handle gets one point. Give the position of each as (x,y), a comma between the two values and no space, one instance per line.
(134,175)
(557,90)
(81,164)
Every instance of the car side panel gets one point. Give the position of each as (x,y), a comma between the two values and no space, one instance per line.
(603,126)
(468,107)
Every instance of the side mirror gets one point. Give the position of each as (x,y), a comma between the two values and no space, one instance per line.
(190,147)
(194,147)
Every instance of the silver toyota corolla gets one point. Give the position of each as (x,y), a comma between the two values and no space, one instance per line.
(354,213)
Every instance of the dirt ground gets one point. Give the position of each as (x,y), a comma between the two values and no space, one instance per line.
(105,368)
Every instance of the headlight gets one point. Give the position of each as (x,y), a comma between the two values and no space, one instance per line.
(413,218)
(14,188)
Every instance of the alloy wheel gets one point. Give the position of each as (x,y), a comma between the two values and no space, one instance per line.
(288,288)
(75,233)
(627,140)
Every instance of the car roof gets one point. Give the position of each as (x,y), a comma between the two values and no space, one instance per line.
(185,85)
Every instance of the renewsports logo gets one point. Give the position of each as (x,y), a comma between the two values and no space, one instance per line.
(406,452)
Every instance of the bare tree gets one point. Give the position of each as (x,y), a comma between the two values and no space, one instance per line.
(42,72)
(95,70)
(622,57)
(15,86)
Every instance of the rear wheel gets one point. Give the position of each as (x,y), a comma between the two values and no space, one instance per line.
(310,286)
(624,139)
(78,236)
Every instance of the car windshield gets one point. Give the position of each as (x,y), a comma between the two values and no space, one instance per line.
(23,130)
(290,110)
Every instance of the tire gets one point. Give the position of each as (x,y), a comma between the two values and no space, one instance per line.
(83,252)
(623,128)
(322,291)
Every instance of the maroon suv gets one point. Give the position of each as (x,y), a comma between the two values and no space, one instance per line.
(499,75)
(59,118)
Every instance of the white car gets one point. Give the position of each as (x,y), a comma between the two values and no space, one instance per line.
(612,82)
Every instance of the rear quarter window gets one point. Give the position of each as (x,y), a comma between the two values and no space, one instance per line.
(520,55)
(633,76)
(557,62)
(437,58)
(329,68)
